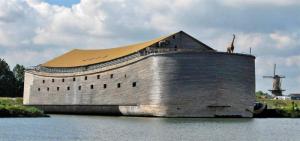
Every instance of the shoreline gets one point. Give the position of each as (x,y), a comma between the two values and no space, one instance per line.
(275,108)
(13,107)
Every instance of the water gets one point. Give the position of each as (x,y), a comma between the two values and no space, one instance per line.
(101,128)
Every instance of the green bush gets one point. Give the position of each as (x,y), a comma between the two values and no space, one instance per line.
(14,107)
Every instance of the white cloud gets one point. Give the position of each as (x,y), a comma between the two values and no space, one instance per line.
(17,20)
(65,26)
(282,40)
(36,29)
(260,2)
(293,61)
(298,79)
(33,57)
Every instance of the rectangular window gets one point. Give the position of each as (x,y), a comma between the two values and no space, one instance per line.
(157,45)
(111,75)
(63,80)
(104,86)
(134,84)
(43,81)
(119,85)
(74,79)
(79,88)
(125,75)
(52,80)
(92,86)
(98,76)
(57,88)
(39,89)
(85,78)
(48,89)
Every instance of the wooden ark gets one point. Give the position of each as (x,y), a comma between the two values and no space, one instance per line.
(171,76)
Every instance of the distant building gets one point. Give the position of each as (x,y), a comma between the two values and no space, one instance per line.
(282,97)
(295,96)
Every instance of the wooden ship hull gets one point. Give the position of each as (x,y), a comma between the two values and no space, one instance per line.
(190,80)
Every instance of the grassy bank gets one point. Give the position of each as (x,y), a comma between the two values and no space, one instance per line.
(13,107)
(282,108)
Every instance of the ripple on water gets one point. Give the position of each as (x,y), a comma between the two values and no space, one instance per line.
(70,128)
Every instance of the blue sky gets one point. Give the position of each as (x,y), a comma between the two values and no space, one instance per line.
(34,31)
(67,3)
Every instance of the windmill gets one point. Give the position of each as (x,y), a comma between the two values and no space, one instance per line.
(277,91)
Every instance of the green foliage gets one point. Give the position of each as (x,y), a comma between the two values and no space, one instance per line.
(18,110)
(7,80)
(13,107)
(19,72)
(11,101)
(262,95)
(19,75)
(286,108)
(11,82)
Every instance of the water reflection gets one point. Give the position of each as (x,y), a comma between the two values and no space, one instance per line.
(94,128)
(208,120)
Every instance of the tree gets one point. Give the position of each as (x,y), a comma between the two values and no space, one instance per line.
(19,75)
(7,80)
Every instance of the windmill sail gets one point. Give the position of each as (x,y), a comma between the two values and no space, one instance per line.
(276,89)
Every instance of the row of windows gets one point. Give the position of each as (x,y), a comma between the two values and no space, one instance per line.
(85,78)
(91,87)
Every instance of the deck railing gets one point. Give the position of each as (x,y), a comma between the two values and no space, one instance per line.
(142,53)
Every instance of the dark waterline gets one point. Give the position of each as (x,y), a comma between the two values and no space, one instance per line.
(96,128)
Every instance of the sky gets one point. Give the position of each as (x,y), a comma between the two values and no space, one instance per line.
(66,3)
(34,31)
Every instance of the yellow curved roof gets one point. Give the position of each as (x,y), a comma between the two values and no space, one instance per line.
(76,57)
